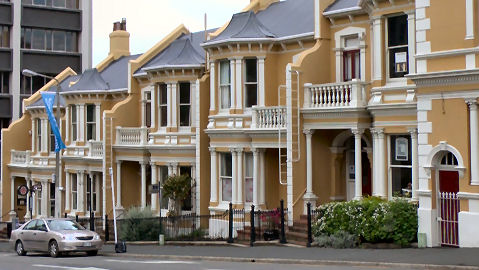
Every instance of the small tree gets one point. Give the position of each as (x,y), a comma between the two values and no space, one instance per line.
(176,188)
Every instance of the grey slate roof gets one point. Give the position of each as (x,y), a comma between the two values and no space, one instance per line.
(340,5)
(280,20)
(116,74)
(64,84)
(184,51)
(90,80)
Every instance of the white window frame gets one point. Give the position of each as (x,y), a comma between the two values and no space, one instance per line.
(147,99)
(245,83)
(224,86)
(221,177)
(389,80)
(91,123)
(340,38)
(391,166)
(162,105)
(93,200)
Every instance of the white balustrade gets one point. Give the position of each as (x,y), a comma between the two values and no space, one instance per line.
(131,136)
(20,157)
(333,95)
(95,149)
(269,117)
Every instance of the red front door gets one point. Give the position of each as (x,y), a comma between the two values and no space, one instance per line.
(449,207)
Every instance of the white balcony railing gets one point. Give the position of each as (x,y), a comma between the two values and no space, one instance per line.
(20,157)
(95,149)
(335,95)
(268,117)
(131,136)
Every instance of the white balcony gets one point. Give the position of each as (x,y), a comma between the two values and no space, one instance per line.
(25,158)
(95,149)
(132,136)
(268,117)
(335,95)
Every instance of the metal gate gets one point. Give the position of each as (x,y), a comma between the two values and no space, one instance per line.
(448,222)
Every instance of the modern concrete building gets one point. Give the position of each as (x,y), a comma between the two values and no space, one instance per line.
(43,35)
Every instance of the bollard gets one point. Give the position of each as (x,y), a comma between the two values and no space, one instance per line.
(92,221)
(107,230)
(282,239)
(161,240)
(310,236)
(230,224)
(252,237)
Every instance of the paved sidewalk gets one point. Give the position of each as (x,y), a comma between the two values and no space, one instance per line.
(430,258)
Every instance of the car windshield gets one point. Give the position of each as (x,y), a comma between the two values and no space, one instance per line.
(64,225)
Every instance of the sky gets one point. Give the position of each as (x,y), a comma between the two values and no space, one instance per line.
(149,21)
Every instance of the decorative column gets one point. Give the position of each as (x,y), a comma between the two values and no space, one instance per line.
(169,104)
(45,193)
(194,191)
(97,121)
(34,145)
(415,163)
(473,133)
(239,92)
(118,184)
(67,124)
(377,48)
(97,190)
(12,213)
(45,136)
(81,122)
(143,184)
(212,86)
(27,214)
(174,103)
(154,181)
(411,34)
(255,176)
(81,191)
(358,179)
(240,180)
(213,177)
(375,189)
(381,181)
(233,84)
(261,101)
(309,196)
(67,191)
(262,180)
(234,178)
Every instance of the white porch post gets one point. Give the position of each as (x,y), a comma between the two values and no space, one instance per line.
(358,180)
(213,179)
(27,214)
(81,122)
(473,133)
(118,184)
(12,198)
(67,191)
(415,163)
(233,87)
(262,180)
(261,80)
(309,196)
(381,153)
(174,102)
(375,188)
(234,180)
(143,184)
(255,176)
(81,192)
(45,192)
(240,179)
(239,80)
(154,181)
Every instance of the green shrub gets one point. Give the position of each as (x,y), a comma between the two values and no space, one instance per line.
(340,239)
(139,225)
(372,220)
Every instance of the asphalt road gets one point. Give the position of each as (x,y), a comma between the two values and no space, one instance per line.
(10,261)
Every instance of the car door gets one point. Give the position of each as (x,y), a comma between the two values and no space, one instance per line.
(26,235)
(40,236)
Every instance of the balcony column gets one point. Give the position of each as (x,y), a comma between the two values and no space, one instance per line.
(309,196)
(13,213)
(473,136)
(67,191)
(98,121)
(240,180)
(34,145)
(143,184)
(154,181)
(214,178)
(261,87)
(233,85)
(239,81)
(81,122)
(234,180)
(358,179)
(174,102)
(118,184)
(255,176)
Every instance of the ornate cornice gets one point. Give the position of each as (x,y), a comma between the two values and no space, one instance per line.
(443,78)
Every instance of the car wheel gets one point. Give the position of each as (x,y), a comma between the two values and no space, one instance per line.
(19,248)
(92,252)
(53,249)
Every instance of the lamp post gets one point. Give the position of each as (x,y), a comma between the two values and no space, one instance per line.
(31,73)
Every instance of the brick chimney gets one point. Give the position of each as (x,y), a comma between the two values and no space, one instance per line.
(119,40)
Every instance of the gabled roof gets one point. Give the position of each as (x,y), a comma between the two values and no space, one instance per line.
(341,6)
(185,51)
(64,84)
(281,20)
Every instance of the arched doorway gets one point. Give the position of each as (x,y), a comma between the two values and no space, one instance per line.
(448,204)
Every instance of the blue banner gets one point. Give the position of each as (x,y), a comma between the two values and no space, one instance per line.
(48,100)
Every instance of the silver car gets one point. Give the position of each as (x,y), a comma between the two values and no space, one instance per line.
(54,236)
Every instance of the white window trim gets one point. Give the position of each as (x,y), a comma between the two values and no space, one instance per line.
(162,128)
(390,166)
(220,179)
(185,128)
(95,122)
(220,104)
(339,38)
(144,101)
(249,109)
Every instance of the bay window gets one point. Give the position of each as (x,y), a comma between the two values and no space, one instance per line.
(90,122)
(397,46)
(185,104)
(225,84)
(251,83)
(226,176)
(163,104)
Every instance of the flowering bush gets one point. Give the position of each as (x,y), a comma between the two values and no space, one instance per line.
(372,220)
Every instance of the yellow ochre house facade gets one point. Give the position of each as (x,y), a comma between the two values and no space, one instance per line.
(306,101)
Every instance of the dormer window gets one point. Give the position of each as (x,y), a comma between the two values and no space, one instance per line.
(90,122)
(397,46)
(225,84)
(185,104)
(251,83)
